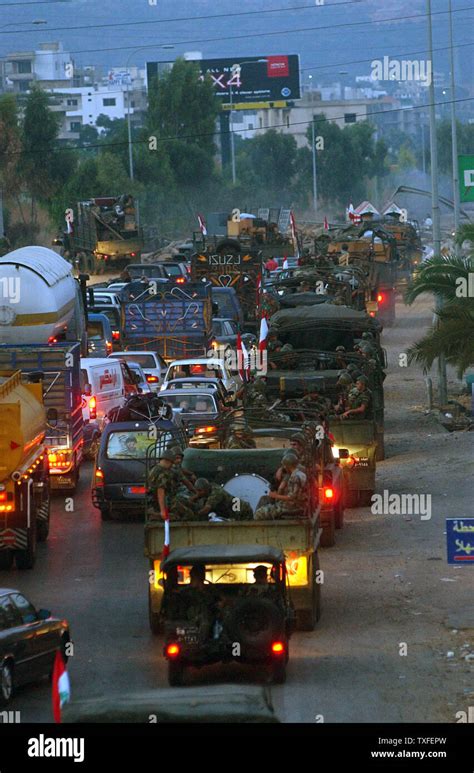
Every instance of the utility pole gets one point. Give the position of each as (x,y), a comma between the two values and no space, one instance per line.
(231,127)
(442,379)
(315,179)
(457,204)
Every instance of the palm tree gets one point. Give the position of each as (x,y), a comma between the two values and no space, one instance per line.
(447,278)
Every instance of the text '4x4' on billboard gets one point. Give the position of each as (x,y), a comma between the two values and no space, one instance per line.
(249,78)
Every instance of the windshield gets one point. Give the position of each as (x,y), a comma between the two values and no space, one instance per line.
(131,444)
(95,331)
(183,371)
(232,573)
(172,270)
(145,360)
(192,403)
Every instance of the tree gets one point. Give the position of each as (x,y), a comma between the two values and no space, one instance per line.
(267,163)
(447,278)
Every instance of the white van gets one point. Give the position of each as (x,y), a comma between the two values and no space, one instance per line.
(103,387)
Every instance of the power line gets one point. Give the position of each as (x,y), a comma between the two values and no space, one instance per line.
(257,34)
(366,116)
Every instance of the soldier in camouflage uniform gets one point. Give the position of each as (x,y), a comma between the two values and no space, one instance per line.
(163,484)
(212,499)
(241,436)
(344,383)
(254,394)
(294,502)
(359,399)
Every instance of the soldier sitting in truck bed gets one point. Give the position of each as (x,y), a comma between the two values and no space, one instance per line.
(359,400)
(295,501)
(164,485)
(213,500)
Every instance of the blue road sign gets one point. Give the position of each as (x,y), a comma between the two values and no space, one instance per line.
(460,540)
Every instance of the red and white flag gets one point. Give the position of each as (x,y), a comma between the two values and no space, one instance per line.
(166,544)
(326,224)
(61,689)
(202,225)
(262,342)
(285,262)
(293,225)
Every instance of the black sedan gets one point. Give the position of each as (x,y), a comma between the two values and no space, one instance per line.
(225,331)
(29,640)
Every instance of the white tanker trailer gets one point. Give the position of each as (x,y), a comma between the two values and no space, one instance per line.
(39,298)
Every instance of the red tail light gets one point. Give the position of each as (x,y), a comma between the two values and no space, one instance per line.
(99,478)
(92,408)
(180,280)
(52,340)
(172,650)
(109,346)
(133,254)
(205,430)
(278,648)
(151,379)
(380,298)
(328,493)
(116,335)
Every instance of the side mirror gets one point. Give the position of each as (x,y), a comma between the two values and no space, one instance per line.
(344,453)
(52,416)
(44,614)
(87,390)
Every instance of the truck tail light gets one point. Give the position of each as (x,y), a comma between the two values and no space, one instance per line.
(151,379)
(278,648)
(328,493)
(116,335)
(380,297)
(172,650)
(133,254)
(92,408)
(98,478)
(204,430)
(108,346)
(59,461)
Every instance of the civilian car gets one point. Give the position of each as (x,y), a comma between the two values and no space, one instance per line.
(201,625)
(99,335)
(153,365)
(198,410)
(207,367)
(225,332)
(195,382)
(118,483)
(29,640)
(139,376)
(113,315)
(161,271)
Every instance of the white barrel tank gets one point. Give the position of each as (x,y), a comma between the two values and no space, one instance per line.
(37,296)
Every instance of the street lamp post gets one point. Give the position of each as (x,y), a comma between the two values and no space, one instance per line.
(315,182)
(129,120)
(456,200)
(442,378)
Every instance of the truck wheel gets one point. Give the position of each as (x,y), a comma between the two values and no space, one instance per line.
(25,559)
(6,682)
(339,514)
(365,498)
(154,618)
(175,673)
(328,537)
(279,672)
(6,559)
(42,524)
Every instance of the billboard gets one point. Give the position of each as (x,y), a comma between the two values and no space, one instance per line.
(466,178)
(249,79)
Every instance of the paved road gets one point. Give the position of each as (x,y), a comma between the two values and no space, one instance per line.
(386,583)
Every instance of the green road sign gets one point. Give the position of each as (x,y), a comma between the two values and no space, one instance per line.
(466,178)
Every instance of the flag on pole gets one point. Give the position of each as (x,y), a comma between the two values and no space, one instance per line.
(293,234)
(243,359)
(166,544)
(285,262)
(262,342)
(202,225)
(61,689)
(326,224)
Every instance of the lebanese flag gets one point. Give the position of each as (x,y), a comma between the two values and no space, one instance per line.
(285,262)
(202,225)
(166,544)
(61,689)
(326,224)
(262,342)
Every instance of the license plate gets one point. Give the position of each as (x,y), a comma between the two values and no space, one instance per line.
(136,490)
(362,463)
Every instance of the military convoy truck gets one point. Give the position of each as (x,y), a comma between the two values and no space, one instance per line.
(229,268)
(105,234)
(299,537)
(24,484)
(175,321)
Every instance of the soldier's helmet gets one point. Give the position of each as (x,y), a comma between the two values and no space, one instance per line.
(340,348)
(202,484)
(345,379)
(298,437)
(368,336)
(289,459)
(351,367)
(363,379)
(168,454)
(356,374)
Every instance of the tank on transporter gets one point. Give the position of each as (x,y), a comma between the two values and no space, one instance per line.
(24,486)
(105,234)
